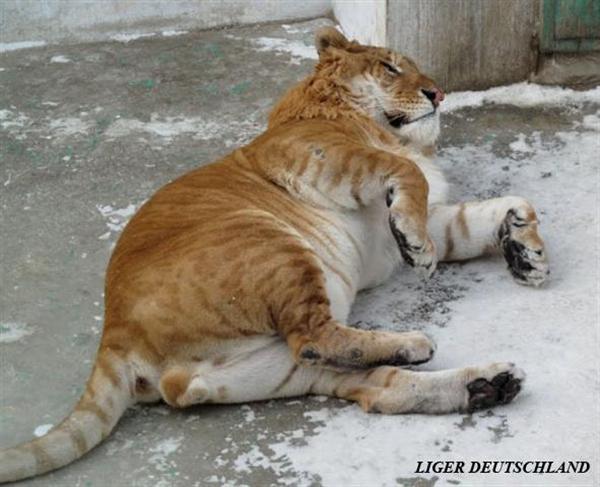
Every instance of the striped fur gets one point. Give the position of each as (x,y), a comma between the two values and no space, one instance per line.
(104,401)
(233,282)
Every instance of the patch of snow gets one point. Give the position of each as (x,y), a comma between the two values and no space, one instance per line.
(60,59)
(520,145)
(248,461)
(114,447)
(521,95)
(161,451)
(170,127)
(162,410)
(381,446)
(592,122)
(13,331)
(42,429)
(131,36)
(290,29)
(297,49)
(50,103)
(167,127)
(172,33)
(13,46)
(116,218)
(10,119)
(249,415)
(65,127)
(109,211)
(526,144)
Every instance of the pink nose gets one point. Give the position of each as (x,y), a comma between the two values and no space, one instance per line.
(435,95)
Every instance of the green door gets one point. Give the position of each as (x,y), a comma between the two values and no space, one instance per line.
(571,25)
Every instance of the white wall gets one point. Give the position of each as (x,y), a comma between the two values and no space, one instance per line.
(362,20)
(86,20)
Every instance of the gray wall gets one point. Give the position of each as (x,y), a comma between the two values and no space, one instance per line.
(85,20)
(466,44)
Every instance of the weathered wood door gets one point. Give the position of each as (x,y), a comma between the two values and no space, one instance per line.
(571,26)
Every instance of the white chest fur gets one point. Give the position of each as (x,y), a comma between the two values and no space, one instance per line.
(366,252)
(438,186)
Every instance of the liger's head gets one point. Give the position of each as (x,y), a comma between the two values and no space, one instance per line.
(384,84)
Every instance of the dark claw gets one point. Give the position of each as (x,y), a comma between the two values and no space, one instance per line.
(403,244)
(310,354)
(389,197)
(511,390)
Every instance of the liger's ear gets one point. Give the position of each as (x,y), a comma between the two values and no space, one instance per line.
(329,37)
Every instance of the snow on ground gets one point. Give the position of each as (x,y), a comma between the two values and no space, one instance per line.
(13,46)
(592,121)
(522,95)
(298,50)
(173,33)
(162,452)
(116,218)
(13,331)
(60,59)
(11,119)
(42,429)
(169,127)
(64,127)
(131,36)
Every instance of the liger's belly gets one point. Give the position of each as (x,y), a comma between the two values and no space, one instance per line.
(357,251)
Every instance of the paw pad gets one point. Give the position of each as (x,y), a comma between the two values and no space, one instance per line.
(484,394)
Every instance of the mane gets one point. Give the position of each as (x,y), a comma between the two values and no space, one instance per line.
(320,95)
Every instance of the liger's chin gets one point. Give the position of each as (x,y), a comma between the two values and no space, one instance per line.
(422,132)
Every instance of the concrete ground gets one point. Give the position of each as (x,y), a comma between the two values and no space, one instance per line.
(89,132)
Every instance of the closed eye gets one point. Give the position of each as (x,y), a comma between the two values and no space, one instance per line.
(390,68)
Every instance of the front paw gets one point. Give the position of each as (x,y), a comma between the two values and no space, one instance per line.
(418,253)
(416,348)
(523,248)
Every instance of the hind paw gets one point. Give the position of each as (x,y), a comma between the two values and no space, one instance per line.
(501,388)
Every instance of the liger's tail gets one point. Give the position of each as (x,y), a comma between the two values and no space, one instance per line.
(105,399)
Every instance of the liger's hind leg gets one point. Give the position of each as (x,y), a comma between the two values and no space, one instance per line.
(264,368)
(301,312)
(391,390)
